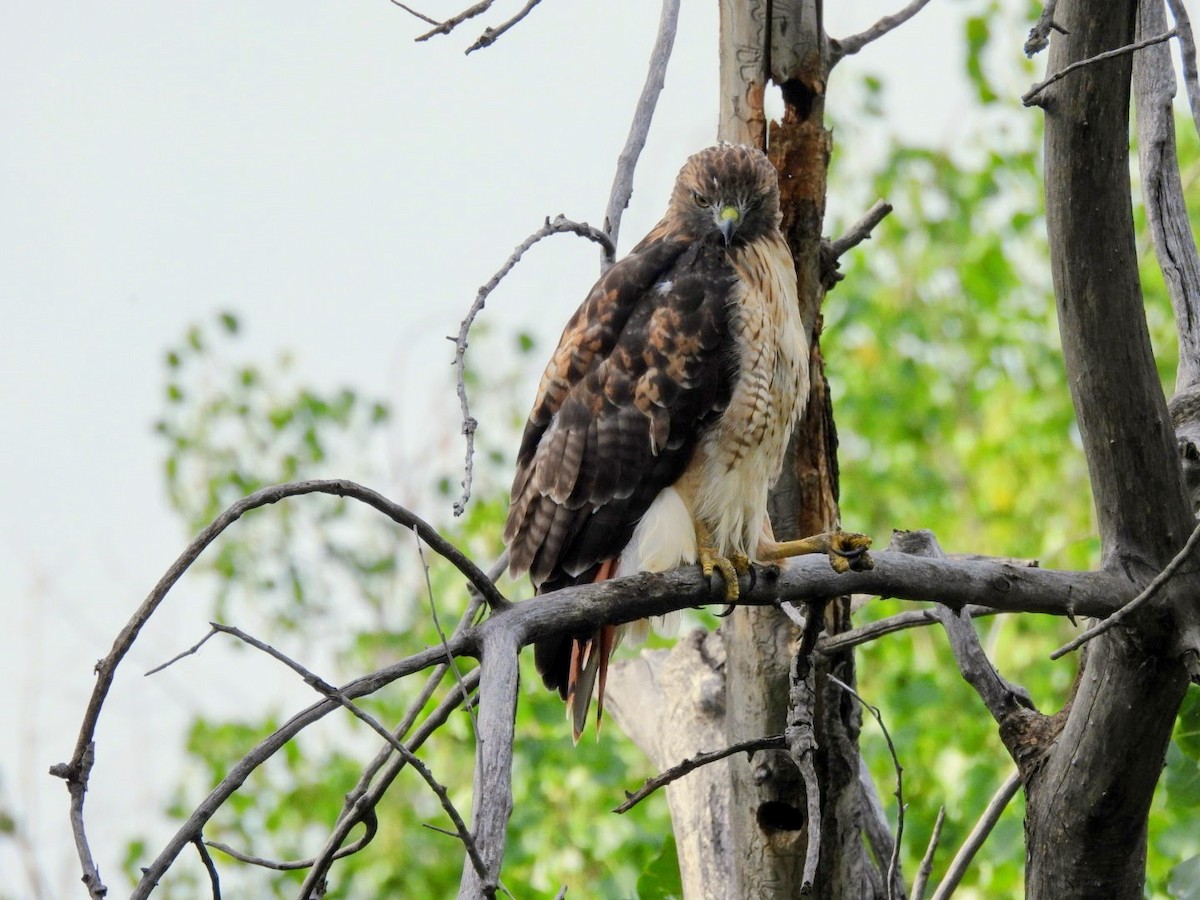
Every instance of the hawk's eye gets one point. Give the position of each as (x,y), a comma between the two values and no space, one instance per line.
(701,201)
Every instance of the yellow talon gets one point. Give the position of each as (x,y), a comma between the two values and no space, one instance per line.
(730,568)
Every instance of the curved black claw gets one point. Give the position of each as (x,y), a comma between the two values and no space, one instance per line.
(729,607)
(848,551)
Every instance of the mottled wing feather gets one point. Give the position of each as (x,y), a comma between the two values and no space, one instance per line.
(621,408)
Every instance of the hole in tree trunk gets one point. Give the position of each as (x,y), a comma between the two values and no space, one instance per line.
(777,816)
(798,96)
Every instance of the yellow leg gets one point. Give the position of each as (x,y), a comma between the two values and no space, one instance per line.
(847,550)
(730,566)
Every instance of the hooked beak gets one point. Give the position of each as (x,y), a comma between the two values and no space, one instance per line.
(728,218)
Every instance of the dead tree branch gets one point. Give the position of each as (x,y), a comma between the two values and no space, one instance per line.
(633,798)
(1187,53)
(328,691)
(801,741)
(76,772)
(926,867)
(497,640)
(979,834)
(838,49)
(214,880)
(560,225)
(639,128)
(490,34)
(1152,589)
(999,695)
(1039,34)
(1162,190)
(362,801)
(894,862)
(413,12)
(1029,98)
(832,251)
(914,618)
(454,21)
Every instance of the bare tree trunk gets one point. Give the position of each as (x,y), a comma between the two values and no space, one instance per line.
(785,42)
(1089,797)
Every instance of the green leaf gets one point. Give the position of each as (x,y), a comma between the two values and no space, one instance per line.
(230,322)
(660,880)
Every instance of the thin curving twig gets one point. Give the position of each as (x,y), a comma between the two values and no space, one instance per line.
(332,693)
(639,128)
(979,834)
(560,225)
(926,868)
(633,798)
(1137,602)
(1030,96)
(894,863)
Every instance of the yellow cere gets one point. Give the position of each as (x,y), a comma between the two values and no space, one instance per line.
(729,212)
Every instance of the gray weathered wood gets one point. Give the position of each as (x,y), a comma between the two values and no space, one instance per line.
(1087,803)
(672,705)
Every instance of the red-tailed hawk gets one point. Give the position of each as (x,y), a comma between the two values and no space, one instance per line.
(662,419)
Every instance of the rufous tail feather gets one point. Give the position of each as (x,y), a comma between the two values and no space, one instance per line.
(589,665)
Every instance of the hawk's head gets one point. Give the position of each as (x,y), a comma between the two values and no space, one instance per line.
(727,193)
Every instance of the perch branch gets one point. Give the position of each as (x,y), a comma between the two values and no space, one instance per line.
(926,868)
(490,34)
(633,798)
(951,582)
(560,225)
(1039,34)
(894,863)
(1137,602)
(639,128)
(1030,95)
(979,834)
(838,49)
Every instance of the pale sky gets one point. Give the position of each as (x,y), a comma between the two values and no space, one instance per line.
(342,189)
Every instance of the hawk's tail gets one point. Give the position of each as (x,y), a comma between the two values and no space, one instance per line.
(577,667)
